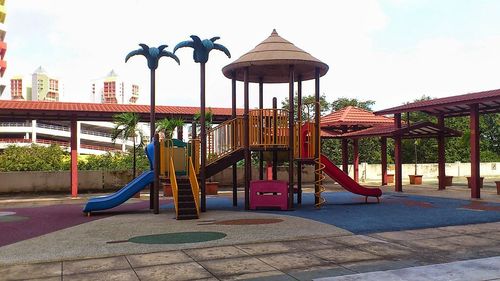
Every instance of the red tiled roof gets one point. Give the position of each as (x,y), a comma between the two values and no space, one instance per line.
(97,111)
(488,101)
(352,116)
(417,130)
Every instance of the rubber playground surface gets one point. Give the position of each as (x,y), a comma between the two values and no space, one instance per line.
(344,210)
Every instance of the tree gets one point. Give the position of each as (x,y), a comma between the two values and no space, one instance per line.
(167,126)
(201,50)
(308,104)
(153,56)
(344,102)
(126,127)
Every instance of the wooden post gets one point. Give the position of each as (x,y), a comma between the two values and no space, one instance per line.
(275,133)
(180,133)
(152,129)
(317,133)
(203,139)
(355,148)
(290,135)
(345,156)
(299,162)
(398,179)
(441,154)
(261,106)
(156,201)
(74,157)
(233,115)
(474,152)
(383,158)
(246,139)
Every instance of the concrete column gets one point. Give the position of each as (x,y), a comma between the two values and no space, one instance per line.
(441,154)
(383,157)
(74,157)
(33,131)
(355,146)
(474,152)
(398,164)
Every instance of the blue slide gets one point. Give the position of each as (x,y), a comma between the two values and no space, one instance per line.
(122,195)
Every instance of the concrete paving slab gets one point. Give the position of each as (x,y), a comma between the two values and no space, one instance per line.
(375,265)
(353,240)
(176,272)
(111,275)
(386,249)
(312,244)
(266,248)
(342,255)
(468,241)
(494,235)
(169,257)
(396,235)
(45,279)
(236,266)
(471,270)
(433,244)
(215,253)
(472,228)
(95,265)
(274,275)
(289,261)
(319,271)
(26,271)
(429,233)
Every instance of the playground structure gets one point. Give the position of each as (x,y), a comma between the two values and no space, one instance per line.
(273,130)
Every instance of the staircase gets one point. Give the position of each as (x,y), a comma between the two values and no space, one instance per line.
(224,162)
(186,209)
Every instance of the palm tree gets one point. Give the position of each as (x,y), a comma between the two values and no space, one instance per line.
(152,55)
(201,50)
(126,127)
(167,126)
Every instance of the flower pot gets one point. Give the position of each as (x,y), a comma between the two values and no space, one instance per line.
(167,190)
(480,182)
(137,195)
(448,180)
(498,187)
(211,188)
(415,179)
(390,178)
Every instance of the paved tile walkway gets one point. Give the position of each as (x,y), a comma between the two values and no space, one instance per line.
(304,259)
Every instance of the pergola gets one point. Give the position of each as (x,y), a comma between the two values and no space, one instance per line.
(472,105)
(276,60)
(384,131)
(73,112)
(350,119)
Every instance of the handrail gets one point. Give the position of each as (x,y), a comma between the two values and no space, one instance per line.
(194,146)
(224,139)
(195,188)
(173,184)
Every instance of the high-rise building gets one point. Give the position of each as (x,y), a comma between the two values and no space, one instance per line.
(3,45)
(112,89)
(41,87)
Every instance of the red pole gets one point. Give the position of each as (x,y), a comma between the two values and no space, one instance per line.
(74,158)
(441,154)
(383,157)
(355,146)
(474,151)
(345,156)
(398,177)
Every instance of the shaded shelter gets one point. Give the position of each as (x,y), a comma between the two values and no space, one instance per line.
(472,105)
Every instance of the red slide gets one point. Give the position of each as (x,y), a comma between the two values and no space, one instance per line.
(346,182)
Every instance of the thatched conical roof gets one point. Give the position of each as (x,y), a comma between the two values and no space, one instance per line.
(271,59)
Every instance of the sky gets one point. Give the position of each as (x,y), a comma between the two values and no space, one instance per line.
(389,51)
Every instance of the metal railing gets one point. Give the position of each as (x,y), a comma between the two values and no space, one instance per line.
(15,124)
(173,184)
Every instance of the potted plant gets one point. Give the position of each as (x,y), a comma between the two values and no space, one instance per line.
(416,178)
(166,127)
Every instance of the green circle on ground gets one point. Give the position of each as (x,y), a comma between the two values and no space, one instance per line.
(178,238)
(12,218)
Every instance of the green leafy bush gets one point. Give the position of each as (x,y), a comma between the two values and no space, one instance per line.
(33,158)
